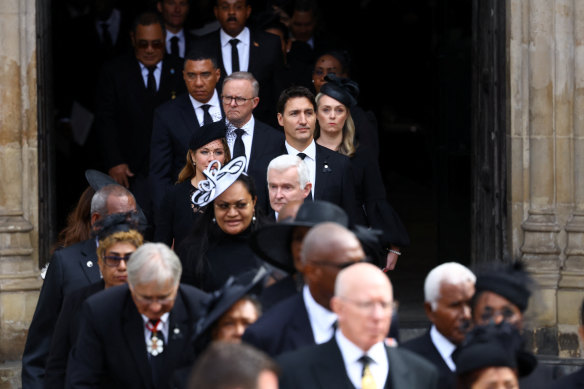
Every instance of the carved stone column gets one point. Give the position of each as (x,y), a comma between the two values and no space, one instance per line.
(19,279)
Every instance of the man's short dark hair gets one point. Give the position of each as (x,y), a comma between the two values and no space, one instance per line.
(199,55)
(147,19)
(294,92)
(230,365)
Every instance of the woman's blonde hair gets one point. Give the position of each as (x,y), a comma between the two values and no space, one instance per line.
(188,171)
(348,143)
(132,236)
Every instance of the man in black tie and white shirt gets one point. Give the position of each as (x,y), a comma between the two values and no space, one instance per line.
(174,13)
(137,335)
(176,121)
(246,135)
(356,356)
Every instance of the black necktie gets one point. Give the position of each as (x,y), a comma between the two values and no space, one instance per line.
(234,55)
(302,156)
(106,36)
(238,147)
(151,86)
(207,119)
(174,46)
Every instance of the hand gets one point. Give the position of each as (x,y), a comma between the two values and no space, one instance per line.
(391,260)
(120,173)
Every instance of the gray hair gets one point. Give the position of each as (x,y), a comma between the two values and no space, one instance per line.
(99,199)
(153,262)
(244,76)
(448,273)
(285,162)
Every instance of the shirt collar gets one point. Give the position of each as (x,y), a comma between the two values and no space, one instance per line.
(158,66)
(352,352)
(310,151)
(444,347)
(180,35)
(247,127)
(243,37)
(213,101)
(319,316)
(163,318)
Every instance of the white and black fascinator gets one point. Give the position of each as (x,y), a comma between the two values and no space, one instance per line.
(218,180)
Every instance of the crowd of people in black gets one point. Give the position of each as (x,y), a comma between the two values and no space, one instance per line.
(242,227)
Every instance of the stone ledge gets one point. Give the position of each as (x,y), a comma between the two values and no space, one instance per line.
(21,282)
(10,375)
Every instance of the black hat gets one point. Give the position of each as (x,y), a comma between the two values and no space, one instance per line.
(510,281)
(222,300)
(493,345)
(117,222)
(98,180)
(272,242)
(342,89)
(207,134)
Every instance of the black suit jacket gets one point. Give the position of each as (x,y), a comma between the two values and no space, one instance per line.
(65,335)
(265,146)
(111,351)
(70,268)
(322,367)
(334,180)
(124,110)
(570,381)
(285,327)
(173,125)
(265,63)
(424,347)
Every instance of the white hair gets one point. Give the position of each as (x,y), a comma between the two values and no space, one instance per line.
(287,161)
(448,273)
(153,262)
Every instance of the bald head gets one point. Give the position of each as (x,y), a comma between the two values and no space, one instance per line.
(363,302)
(326,249)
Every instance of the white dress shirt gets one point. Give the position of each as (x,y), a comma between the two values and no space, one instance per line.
(113,26)
(242,50)
(321,319)
(157,74)
(214,109)
(164,329)
(310,160)
(379,365)
(444,347)
(247,137)
(181,42)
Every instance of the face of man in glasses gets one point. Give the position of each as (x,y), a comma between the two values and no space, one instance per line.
(148,42)
(321,270)
(154,299)
(238,113)
(112,266)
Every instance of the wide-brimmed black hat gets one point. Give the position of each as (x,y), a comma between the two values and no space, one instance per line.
(272,242)
(207,134)
(494,345)
(341,89)
(234,289)
(98,180)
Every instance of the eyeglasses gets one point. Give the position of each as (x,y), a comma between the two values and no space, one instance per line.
(340,266)
(143,44)
(226,206)
(369,306)
(114,260)
(491,314)
(238,99)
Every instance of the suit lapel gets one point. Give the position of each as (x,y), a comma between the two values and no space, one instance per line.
(254,53)
(178,334)
(329,370)
(166,88)
(88,261)
(322,172)
(187,113)
(133,328)
(300,328)
(399,373)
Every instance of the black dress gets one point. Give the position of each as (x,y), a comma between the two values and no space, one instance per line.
(225,255)
(177,214)
(372,199)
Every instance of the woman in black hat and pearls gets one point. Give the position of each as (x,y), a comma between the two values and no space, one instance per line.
(177,213)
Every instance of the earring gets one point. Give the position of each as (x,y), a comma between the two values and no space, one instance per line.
(214,221)
(253,219)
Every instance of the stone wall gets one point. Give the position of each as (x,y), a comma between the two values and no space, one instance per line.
(19,280)
(545,80)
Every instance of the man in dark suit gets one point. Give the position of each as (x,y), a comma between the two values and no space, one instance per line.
(239,49)
(246,135)
(330,172)
(130,88)
(288,180)
(137,336)
(306,318)
(174,13)
(448,290)
(70,268)
(356,356)
(176,121)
